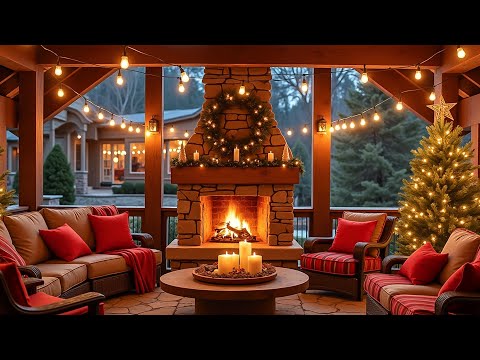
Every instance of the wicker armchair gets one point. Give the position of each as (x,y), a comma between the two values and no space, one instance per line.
(12,284)
(349,284)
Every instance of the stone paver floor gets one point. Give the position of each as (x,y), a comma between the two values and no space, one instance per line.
(158,302)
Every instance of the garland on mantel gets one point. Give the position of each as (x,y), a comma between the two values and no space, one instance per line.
(256,163)
(260,115)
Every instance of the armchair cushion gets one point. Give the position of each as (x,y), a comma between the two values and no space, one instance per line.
(413,305)
(381,219)
(15,284)
(40,299)
(424,265)
(9,254)
(65,243)
(466,278)
(111,232)
(337,263)
(349,233)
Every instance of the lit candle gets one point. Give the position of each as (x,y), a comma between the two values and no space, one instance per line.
(196,156)
(225,263)
(245,250)
(236,154)
(270,156)
(235,260)
(254,264)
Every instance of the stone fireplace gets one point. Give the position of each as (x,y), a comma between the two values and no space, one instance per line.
(259,200)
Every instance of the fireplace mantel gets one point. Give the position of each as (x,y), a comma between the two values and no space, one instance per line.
(237,176)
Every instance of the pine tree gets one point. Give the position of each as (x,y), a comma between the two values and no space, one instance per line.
(58,178)
(443,192)
(6,197)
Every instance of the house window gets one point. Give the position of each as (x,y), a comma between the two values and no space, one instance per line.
(113,163)
(137,157)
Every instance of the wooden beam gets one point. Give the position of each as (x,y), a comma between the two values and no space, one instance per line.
(322,97)
(82,82)
(475,130)
(467,87)
(473,76)
(9,87)
(19,57)
(468,111)
(451,63)
(52,81)
(31,138)
(8,113)
(5,74)
(3,138)
(154,161)
(378,56)
(393,83)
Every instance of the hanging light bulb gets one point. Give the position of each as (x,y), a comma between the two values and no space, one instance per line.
(289,132)
(112,121)
(364,77)
(344,126)
(172,129)
(362,121)
(58,68)
(137,130)
(124,64)
(60,92)
(100,115)
(123,125)
(241,90)
(86,108)
(181,87)
(376,117)
(418,73)
(184,76)
(186,134)
(432,96)
(304,86)
(79,136)
(305,129)
(332,129)
(352,124)
(337,127)
(399,105)
(130,127)
(119,78)
(460,52)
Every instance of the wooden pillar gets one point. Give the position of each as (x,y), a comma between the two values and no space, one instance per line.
(153,160)
(3,141)
(83,151)
(322,94)
(475,129)
(30,129)
(8,119)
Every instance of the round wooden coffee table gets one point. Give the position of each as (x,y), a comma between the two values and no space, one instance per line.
(215,299)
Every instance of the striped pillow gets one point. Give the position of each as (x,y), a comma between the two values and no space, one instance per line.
(105,210)
(9,254)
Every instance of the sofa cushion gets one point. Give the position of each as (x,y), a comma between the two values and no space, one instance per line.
(377,233)
(51,286)
(23,229)
(99,265)
(466,278)
(9,254)
(374,283)
(413,305)
(424,265)
(69,274)
(337,263)
(4,232)
(111,232)
(389,291)
(65,243)
(76,218)
(349,233)
(461,247)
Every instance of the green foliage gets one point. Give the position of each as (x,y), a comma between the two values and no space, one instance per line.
(6,197)
(442,194)
(369,162)
(15,182)
(58,178)
(303,190)
(170,188)
(128,188)
(139,187)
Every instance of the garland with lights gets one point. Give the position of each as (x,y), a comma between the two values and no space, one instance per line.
(257,163)
(260,115)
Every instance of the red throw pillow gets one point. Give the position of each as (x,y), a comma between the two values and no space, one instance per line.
(349,233)
(111,232)
(423,266)
(65,243)
(466,278)
(9,254)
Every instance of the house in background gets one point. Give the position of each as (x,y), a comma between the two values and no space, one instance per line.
(102,155)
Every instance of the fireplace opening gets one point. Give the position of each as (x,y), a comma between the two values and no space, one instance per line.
(233,218)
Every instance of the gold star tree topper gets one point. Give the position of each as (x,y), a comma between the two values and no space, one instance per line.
(442,110)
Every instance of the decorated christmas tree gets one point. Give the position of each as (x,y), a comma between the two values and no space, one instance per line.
(443,192)
(6,197)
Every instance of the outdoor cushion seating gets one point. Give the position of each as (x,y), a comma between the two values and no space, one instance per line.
(104,273)
(392,293)
(338,263)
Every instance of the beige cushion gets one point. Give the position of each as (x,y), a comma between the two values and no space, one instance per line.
(51,286)
(389,291)
(4,233)
(377,232)
(76,218)
(461,247)
(99,265)
(23,229)
(69,274)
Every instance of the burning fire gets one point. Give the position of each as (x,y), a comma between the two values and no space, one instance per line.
(233,219)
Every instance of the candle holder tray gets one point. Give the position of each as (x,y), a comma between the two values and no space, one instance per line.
(206,273)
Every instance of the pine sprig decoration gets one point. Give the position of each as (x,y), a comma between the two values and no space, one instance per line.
(443,192)
(259,113)
(6,197)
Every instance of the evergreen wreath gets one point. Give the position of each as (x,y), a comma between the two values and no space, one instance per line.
(213,135)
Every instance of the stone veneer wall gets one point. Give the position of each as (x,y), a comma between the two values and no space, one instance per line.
(190,229)
(234,121)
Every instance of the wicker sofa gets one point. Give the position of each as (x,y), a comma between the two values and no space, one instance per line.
(103,273)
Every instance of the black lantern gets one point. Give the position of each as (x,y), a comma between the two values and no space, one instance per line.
(153,125)
(322,125)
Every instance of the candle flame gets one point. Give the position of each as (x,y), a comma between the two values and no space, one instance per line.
(233,253)
(226,252)
(254,253)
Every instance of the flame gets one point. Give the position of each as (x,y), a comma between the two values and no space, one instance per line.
(233,219)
